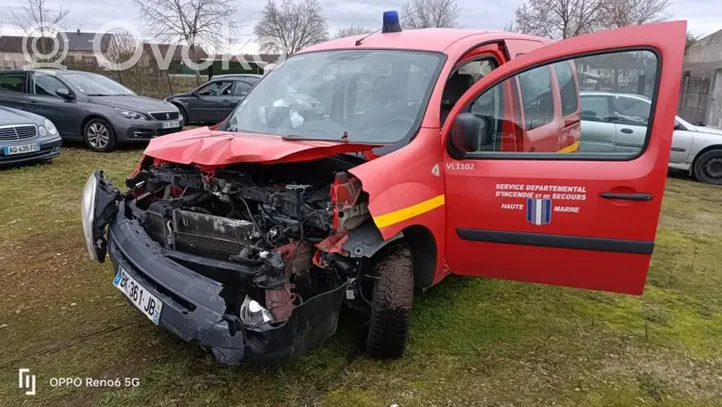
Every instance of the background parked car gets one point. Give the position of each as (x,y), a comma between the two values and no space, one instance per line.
(617,123)
(214,100)
(26,137)
(87,106)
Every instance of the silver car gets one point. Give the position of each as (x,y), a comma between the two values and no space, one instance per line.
(617,123)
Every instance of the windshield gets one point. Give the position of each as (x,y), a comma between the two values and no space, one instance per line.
(371,95)
(96,85)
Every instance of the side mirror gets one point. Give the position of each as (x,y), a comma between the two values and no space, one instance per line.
(63,93)
(470,132)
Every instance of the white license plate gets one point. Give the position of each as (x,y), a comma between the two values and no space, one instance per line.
(170,125)
(146,302)
(21,149)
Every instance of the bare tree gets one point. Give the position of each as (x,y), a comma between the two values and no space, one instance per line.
(351,30)
(430,13)
(195,22)
(37,18)
(559,19)
(291,25)
(623,13)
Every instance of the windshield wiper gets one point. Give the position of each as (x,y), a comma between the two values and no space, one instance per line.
(296,137)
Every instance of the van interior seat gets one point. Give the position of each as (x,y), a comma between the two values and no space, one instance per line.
(456,86)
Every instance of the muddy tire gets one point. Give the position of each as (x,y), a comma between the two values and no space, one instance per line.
(393,292)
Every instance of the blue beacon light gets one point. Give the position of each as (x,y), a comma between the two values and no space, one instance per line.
(391,22)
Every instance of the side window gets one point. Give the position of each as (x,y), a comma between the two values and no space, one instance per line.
(567,87)
(241,88)
(537,97)
(595,108)
(46,85)
(512,116)
(14,82)
(218,88)
(462,80)
(628,110)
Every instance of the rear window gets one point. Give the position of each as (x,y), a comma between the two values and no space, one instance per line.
(567,87)
(12,82)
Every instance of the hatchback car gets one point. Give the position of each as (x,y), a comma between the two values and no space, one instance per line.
(26,137)
(89,107)
(617,123)
(214,100)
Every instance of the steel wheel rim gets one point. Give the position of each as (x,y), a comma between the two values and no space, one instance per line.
(98,135)
(713,168)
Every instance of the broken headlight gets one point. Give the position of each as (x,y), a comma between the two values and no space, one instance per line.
(87,213)
(253,315)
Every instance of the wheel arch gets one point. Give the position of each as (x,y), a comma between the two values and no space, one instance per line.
(366,241)
(92,116)
(182,109)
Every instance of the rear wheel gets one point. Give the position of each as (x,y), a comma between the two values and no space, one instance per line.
(99,135)
(391,301)
(184,114)
(708,167)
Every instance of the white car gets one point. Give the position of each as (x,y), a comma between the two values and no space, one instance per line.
(617,122)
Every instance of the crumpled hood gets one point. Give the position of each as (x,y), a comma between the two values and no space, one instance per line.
(214,148)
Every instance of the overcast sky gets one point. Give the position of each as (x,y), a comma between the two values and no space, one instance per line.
(704,16)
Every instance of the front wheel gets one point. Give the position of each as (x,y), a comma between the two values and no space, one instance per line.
(391,300)
(99,135)
(708,167)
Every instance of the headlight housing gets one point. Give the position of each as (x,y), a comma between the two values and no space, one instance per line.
(130,114)
(49,127)
(87,213)
(253,315)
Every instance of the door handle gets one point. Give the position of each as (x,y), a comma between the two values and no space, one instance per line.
(627,131)
(33,102)
(226,100)
(637,196)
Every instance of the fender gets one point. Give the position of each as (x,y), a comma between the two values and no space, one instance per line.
(405,188)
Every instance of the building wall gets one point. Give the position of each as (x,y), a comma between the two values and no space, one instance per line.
(700,99)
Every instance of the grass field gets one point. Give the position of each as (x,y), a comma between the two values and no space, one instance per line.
(473,341)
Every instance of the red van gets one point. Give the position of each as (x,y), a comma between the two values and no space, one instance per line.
(364,169)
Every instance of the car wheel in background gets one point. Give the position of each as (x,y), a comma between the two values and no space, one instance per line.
(708,167)
(99,136)
(184,114)
(393,293)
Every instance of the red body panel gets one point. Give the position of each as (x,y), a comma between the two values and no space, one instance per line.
(213,148)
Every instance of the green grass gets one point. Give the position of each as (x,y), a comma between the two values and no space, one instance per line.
(473,341)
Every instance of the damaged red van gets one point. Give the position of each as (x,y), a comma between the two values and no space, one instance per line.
(366,168)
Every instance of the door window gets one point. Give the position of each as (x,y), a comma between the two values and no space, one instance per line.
(46,85)
(567,87)
(595,108)
(218,88)
(12,82)
(520,114)
(241,88)
(631,111)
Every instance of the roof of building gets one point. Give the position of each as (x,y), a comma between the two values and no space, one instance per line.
(83,41)
(177,49)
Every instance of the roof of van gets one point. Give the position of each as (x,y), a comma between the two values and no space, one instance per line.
(426,39)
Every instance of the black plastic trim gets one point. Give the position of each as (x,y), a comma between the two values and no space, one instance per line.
(638,196)
(559,241)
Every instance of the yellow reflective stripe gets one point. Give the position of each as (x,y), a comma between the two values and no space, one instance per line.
(569,149)
(408,212)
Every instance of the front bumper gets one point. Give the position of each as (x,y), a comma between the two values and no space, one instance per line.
(195,311)
(48,149)
(137,130)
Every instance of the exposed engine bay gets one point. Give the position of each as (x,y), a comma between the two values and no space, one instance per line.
(271,234)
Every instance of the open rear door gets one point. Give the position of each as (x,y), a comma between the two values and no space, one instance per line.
(558,215)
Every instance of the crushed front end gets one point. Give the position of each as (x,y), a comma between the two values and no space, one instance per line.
(251,261)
